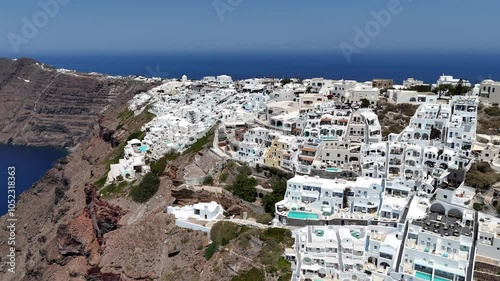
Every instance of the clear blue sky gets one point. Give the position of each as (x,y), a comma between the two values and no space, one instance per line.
(292,25)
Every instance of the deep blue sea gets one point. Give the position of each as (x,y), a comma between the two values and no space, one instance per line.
(30,164)
(363,67)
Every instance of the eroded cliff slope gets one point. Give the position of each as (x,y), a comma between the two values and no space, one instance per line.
(43,106)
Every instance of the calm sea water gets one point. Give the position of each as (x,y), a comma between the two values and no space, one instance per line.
(31,163)
(363,67)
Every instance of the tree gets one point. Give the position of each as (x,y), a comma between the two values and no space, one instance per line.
(258,168)
(244,187)
(435,134)
(421,88)
(460,89)
(442,89)
(285,81)
(365,103)
(146,189)
(270,200)
(208,180)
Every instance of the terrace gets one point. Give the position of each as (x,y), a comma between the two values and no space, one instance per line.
(444,225)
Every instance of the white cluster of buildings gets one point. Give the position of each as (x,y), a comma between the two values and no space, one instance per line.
(363,207)
(185,111)
(133,162)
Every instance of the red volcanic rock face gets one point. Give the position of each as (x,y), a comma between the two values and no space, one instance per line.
(103,215)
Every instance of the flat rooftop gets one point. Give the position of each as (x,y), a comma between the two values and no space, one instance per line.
(443,225)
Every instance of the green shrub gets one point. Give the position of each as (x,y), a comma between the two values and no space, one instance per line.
(477,206)
(102,181)
(264,218)
(223,232)
(244,187)
(280,235)
(284,264)
(245,170)
(279,189)
(231,164)
(146,189)
(208,180)
(258,168)
(223,176)
(126,114)
(137,135)
(201,142)
(421,88)
(492,110)
(159,166)
(254,274)
(113,188)
(365,103)
(210,250)
(481,176)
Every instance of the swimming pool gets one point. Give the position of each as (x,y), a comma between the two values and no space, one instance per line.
(423,275)
(302,215)
(333,170)
(437,278)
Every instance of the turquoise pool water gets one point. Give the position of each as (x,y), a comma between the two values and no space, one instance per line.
(143,148)
(333,170)
(423,275)
(302,215)
(437,278)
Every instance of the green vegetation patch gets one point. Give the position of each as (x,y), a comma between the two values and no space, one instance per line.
(244,187)
(279,189)
(210,250)
(394,118)
(160,165)
(223,176)
(223,232)
(201,142)
(269,258)
(254,274)
(113,189)
(264,218)
(481,176)
(126,114)
(281,235)
(137,135)
(146,189)
(101,181)
(477,206)
(275,240)
(492,111)
(208,180)
(116,154)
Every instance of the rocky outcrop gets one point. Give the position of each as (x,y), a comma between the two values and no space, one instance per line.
(104,216)
(43,106)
